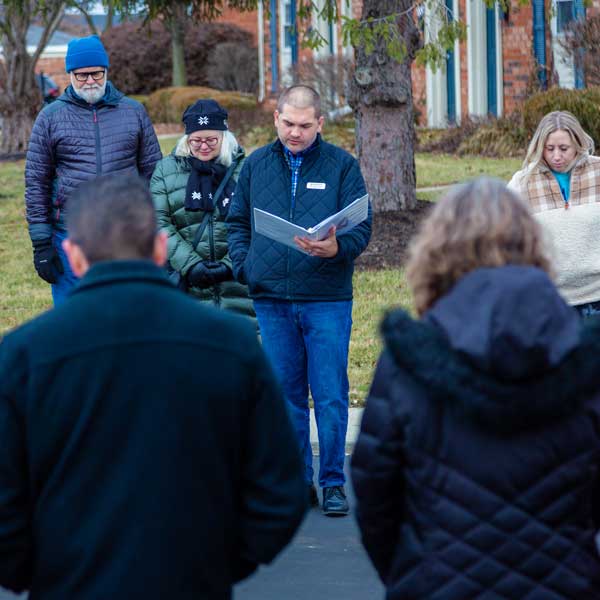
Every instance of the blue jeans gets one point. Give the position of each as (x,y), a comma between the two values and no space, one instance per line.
(67,280)
(307,343)
(588,310)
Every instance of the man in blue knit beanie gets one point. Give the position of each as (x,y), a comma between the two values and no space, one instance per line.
(91,130)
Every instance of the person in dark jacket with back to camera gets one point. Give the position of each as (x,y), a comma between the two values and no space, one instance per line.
(91,130)
(192,190)
(146,448)
(303,300)
(476,468)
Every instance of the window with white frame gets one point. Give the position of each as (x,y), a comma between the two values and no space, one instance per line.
(563,13)
(326,30)
(286,32)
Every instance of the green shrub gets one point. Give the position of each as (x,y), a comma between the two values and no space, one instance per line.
(584,104)
(492,137)
(500,138)
(447,140)
(142,98)
(167,105)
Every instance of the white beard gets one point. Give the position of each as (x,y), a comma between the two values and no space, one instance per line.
(91,94)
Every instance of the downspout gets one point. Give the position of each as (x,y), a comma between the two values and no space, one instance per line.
(539,40)
(274,46)
(579,75)
(294,33)
(261,53)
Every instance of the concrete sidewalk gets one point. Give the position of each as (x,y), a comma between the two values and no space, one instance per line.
(354,419)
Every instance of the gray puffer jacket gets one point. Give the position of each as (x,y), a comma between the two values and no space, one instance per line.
(73,141)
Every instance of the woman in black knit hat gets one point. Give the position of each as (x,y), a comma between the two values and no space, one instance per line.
(192,190)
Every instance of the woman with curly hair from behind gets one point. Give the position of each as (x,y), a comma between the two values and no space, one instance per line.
(476,469)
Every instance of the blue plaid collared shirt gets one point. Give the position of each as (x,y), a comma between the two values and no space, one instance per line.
(294,162)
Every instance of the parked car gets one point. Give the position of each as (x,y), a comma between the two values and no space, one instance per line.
(50,91)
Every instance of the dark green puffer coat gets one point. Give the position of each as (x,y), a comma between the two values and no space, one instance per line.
(168,185)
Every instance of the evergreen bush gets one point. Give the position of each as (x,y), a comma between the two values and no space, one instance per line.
(167,105)
(504,137)
(584,104)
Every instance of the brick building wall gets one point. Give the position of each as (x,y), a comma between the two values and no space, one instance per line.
(419,94)
(517,55)
(54,67)
(518,62)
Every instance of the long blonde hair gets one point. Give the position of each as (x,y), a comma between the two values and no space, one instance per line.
(555,121)
(477,224)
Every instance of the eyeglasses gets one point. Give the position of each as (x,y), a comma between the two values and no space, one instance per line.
(95,75)
(211,142)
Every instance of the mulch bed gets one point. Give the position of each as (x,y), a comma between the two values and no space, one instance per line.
(392,232)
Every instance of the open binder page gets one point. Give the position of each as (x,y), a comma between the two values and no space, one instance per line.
(283,231)
(350,216)
(278,229)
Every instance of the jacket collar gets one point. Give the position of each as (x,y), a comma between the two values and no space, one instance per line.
(111,97)
(312,153)
(115,272)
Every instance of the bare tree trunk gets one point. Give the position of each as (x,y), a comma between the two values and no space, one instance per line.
(89,21)
(176,24)
(20,96)
(110,15)
(380,92)
(16,130)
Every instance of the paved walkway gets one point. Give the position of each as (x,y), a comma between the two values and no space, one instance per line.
(5,595)
(325,561)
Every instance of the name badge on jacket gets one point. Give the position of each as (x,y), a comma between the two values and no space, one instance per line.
(315,185)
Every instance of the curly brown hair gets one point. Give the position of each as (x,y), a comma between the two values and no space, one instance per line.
(477,224)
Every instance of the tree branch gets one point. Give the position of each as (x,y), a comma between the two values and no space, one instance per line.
(6,30)
(109,16)
(49,30)
(88,19)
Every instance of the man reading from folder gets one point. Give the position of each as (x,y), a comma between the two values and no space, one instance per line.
(303,300)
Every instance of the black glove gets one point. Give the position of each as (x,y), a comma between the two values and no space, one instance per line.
(207,273)
(46,260)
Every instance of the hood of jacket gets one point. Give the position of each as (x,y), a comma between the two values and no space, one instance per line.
(111,97)
(503,346)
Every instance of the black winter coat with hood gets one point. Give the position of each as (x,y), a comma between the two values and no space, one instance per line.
(476,470)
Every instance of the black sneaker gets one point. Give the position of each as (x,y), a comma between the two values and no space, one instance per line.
(334,501)
(312,495)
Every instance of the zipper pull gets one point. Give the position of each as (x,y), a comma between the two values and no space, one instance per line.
(95,115)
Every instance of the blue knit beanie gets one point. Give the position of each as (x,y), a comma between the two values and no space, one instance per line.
(86,52)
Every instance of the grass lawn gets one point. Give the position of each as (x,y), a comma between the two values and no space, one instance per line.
(23,294)
(443,169)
